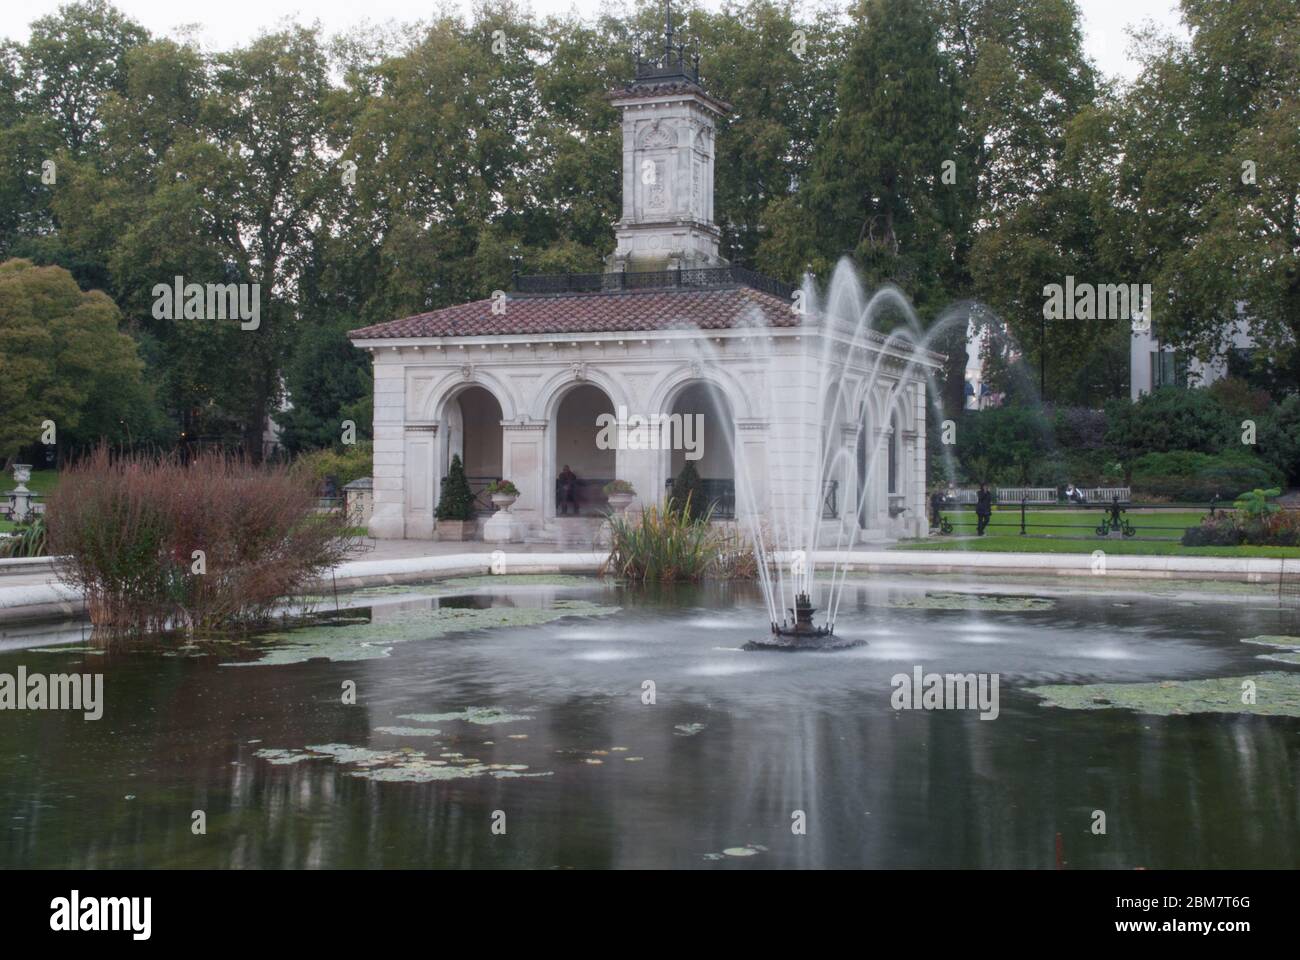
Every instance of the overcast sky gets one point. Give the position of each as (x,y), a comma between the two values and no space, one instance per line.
(228,23)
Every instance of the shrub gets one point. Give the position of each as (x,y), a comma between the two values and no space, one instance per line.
(1168,420)
(687,492)
(127,529)
(1276,529)
(1004,445)
(618,486)
(1220,530)
(502,487)
(457,500)
(1278,437)
(351,463)
(1191,476)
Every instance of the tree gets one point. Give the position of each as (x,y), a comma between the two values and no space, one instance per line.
(1204,202)
(63,360)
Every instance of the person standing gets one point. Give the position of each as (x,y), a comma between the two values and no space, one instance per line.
(983,509)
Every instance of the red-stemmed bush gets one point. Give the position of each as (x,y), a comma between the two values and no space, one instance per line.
(127,527)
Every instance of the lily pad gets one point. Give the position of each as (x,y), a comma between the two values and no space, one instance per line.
(409,731)
(969,601)
(405,765)
(1283,642)
(479,715)
(523,580)
(1275,694)
(375,640)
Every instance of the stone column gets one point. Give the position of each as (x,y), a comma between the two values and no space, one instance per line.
(523,461)
(421,473)
(387,522)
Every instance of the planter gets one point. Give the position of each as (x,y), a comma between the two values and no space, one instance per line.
(455,529)
(619,502)
(22,473)
(503,501)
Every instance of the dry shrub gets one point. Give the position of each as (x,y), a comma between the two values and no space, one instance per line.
(127,528)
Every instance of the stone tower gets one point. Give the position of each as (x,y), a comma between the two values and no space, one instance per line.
(668,164)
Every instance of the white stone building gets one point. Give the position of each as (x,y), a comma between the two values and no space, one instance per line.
(1153,365)
(515,384)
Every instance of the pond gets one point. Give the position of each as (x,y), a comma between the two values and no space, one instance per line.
(504,722)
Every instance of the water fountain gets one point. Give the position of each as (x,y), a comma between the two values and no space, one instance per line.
(791,539)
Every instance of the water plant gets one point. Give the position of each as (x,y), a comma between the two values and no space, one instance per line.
(664,543)
(155,543)
(29,539)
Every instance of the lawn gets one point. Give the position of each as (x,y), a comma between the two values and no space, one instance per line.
(1159,524)
(1159,533)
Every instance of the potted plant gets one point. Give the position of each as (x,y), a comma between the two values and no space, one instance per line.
(456,503)
(620,495)
(503,493)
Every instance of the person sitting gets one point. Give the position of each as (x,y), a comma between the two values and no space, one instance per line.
(568,492)
(936,508)
(1073,494)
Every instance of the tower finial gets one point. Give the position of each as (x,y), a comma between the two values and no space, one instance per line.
(668,27)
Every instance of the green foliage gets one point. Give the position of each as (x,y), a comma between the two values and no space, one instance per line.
(328,378)
(28,539)
(63,359)
(1255,503)
(1003,444)
(504,487)
(1278,437)
(664,544)
(457,500)
(1185,475)
(687,492)
(618,486)
(1170,419)
(344,464)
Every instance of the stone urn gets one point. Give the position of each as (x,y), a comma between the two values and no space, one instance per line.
(20,497)
(504,501)
(619,502)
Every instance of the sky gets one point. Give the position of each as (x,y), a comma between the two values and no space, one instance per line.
(228,23)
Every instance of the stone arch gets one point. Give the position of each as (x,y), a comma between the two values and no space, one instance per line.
(703,417)
(456,382)
(575,411)
(657,135)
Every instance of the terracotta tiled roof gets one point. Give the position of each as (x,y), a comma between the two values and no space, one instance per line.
(713,309)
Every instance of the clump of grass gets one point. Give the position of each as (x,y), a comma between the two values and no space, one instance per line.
(667,544)
(130,528)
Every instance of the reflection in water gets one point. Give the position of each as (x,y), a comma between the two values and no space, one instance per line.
(734,744)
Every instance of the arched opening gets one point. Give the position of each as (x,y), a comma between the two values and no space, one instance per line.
(701,431)
(471,427)
(582,466)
